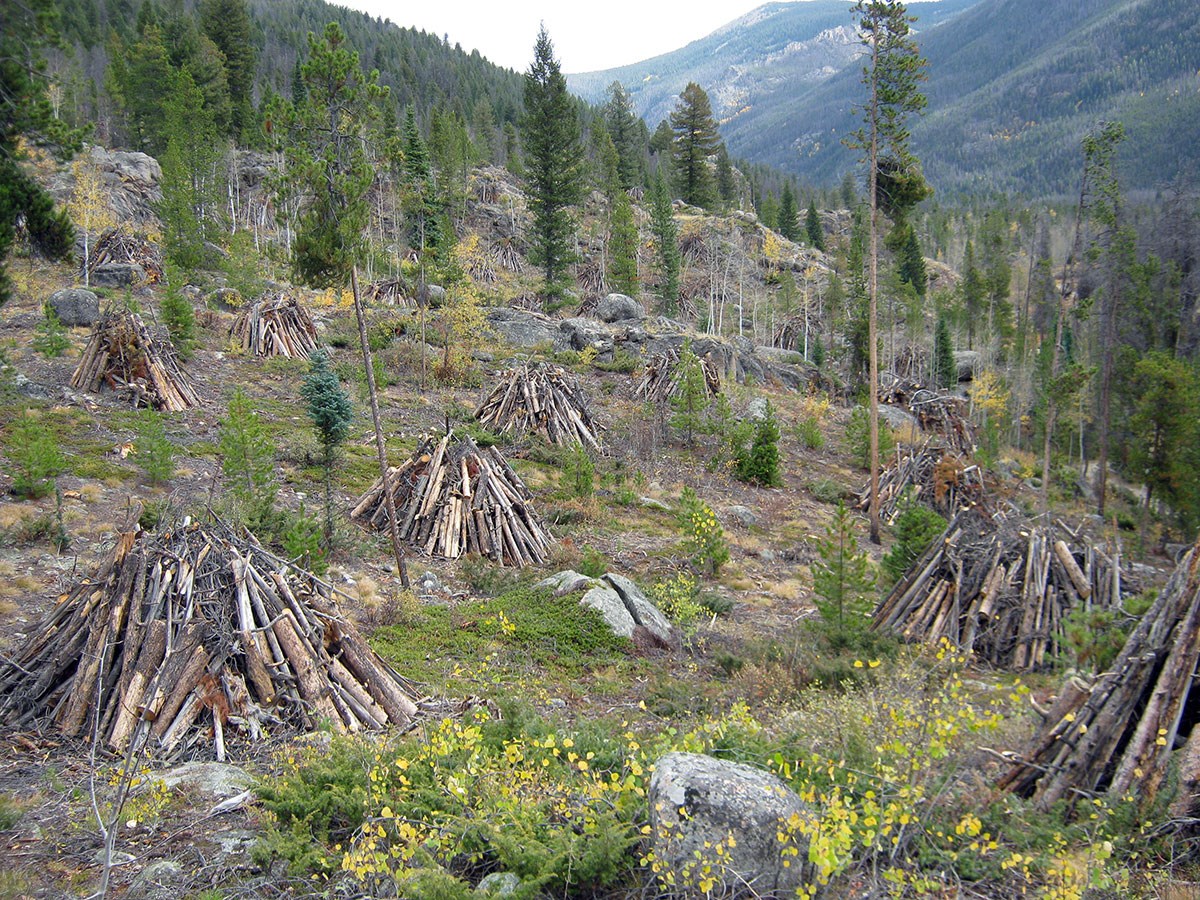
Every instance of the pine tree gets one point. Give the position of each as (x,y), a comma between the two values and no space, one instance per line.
(326,142)
(178,315)
(945,371)
(625,129)
(26,115)
(248,462)
(761,465)
(328,406)
(691,396)
(623,247)
(789,223)
(553,163)
(695,139)
(911,265)
(894,180)
(726,183)
(812,227)
(843,580)
(50,338)
(973,292)
(155,452)
(228,24)
(666,241)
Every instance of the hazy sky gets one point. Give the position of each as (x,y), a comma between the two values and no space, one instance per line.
(587,35)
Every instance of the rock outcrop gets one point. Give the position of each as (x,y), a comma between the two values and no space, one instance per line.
(626,609)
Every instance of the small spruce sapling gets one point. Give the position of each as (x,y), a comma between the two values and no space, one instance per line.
(329,408)
(858,437)
(35,456)
(916,528)
(691,397)
(844,581)
(761,464)
(51,338)
(178,315)
(155,452)
(248,463)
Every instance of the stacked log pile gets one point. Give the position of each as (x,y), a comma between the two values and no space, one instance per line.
(661,377)
(938,478)
(388,292)
(937,413)
(539,398)
(452,498)
(275,326)
(999,590)
(1118,735)
(118,246)
(123,354)
(193,638)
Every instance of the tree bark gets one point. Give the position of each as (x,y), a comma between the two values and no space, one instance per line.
(397,547)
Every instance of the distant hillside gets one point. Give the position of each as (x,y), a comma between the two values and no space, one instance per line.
(754,62)
(1013,86)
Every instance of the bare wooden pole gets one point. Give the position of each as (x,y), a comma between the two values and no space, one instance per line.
(397,547)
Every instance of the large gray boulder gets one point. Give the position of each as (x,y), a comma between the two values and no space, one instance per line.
(75,307)
(605,599)
(644,613)
(619,307)
(697,801)
(520,328)
(118,275)
(898,419)
(580,332)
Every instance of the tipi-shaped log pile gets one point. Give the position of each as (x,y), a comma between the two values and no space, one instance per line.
(276,326)
(119,246)
(539,398)
(1119,734)
(452,498)
(939,478)
(202,637)
(123,354)
(662,375)
(1001,591)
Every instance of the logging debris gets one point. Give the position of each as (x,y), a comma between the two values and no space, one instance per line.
(119,246)
(1118,734)
(936,412)
(662,375)
(1000,590)
(453,498)
(275,326)
(539,398)
(124,355)
(200,636)
(938,478)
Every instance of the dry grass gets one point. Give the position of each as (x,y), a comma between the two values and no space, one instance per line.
(91,493)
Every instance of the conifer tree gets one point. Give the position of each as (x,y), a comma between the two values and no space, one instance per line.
(911,265)
(973,292)
(623,247)
(26,114)
(945,371)
(812,227)
(894,181)
(789,223)
(328,406)
(248,462)
(695,139)
(625,129)
(553,163)
(227,23)
(178,315)
(726,183)
(666,242)
(761,465)
(843,580)
(691,397)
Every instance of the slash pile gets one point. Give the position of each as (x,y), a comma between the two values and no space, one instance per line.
(453,498)
(276,326)
(195,637)
(536,398)
(123,354)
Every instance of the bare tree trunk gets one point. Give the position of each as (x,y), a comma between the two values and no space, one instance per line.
(873,301)
(384,474)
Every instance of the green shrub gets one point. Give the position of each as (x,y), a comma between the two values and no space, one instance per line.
(760,465)
(679,599)
(36,459)
(808,433)
(303,542)
(827,490)
(623,363)
(155,452)
(858,437)
(50,337)
(593,563)
(916,528)
(704,537)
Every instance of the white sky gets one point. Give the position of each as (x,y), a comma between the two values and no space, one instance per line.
(587,34)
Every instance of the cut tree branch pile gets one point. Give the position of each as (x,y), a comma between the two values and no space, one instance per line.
(937,413)
(939,478)
(123,354)
(661,377)
(118,246)
(999,590)
(1119,734)
(207,636)
(453,498)
(539,398)
(275,326)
